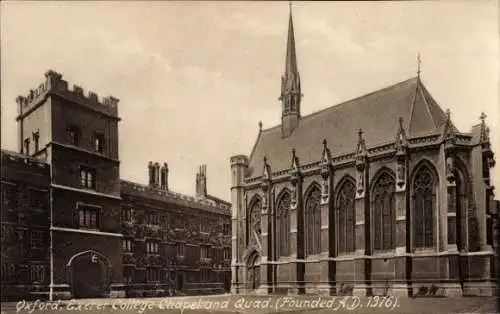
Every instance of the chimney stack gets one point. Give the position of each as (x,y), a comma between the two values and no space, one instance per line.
(164,177)
(151,172)
(156,175)
(201,182)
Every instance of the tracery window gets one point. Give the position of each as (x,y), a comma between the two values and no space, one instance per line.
(383,202)
(283,225)
(424,204)
(345,217)
(254,227)
(313,221)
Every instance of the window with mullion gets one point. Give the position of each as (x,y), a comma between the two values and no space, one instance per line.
(87,177)
(88,217)
(424,202)
(384,224)
(346,219)
(313,225)
(284,225)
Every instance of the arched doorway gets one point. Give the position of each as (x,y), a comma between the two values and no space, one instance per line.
(90,274)
(254,271)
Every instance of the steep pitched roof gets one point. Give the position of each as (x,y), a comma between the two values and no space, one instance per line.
(376,113)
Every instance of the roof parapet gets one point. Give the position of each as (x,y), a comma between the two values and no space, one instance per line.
(55,83)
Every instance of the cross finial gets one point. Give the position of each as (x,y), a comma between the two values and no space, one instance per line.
(419,61)
(260,125)
(400,121)
(324,142)
(483,117)
(448,113)
(360,133)
(265,160)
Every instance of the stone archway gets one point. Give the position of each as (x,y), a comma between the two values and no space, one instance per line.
(253,271)
(89,275)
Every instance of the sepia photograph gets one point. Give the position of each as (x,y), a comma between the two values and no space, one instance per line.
(250,156)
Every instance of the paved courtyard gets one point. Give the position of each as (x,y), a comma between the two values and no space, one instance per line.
(224,304)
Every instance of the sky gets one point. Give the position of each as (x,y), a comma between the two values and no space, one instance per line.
(195,78)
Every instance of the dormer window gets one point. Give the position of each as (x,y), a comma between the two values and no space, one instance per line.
(73,135)
(98,143)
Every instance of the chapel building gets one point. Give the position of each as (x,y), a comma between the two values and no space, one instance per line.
(378,195)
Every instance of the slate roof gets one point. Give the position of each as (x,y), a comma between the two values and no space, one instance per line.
(377,113)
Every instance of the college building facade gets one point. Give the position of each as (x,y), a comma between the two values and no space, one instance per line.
(378,195)
(71,228)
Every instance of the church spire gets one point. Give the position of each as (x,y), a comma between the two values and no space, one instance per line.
(291,55)
(290,85)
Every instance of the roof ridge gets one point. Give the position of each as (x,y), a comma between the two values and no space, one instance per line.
(256,142)
(433,103)
(155,188)
(348,101)
(423,93)
(412,108)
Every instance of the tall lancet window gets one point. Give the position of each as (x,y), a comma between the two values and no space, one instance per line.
(283,225)
(344,207)
(313,221)
(383,204)
(424,206)
(254,227)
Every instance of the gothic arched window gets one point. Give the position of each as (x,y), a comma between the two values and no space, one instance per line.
(383,212)
(313,221)
(254,227)
(283,225)
(424,205)
(345,217)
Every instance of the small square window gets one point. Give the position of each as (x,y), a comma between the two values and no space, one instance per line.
(98,143)
(36,238)
(73,133)
(88,177)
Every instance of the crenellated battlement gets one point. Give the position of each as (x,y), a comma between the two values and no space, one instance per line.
(55,84)
(13,158)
